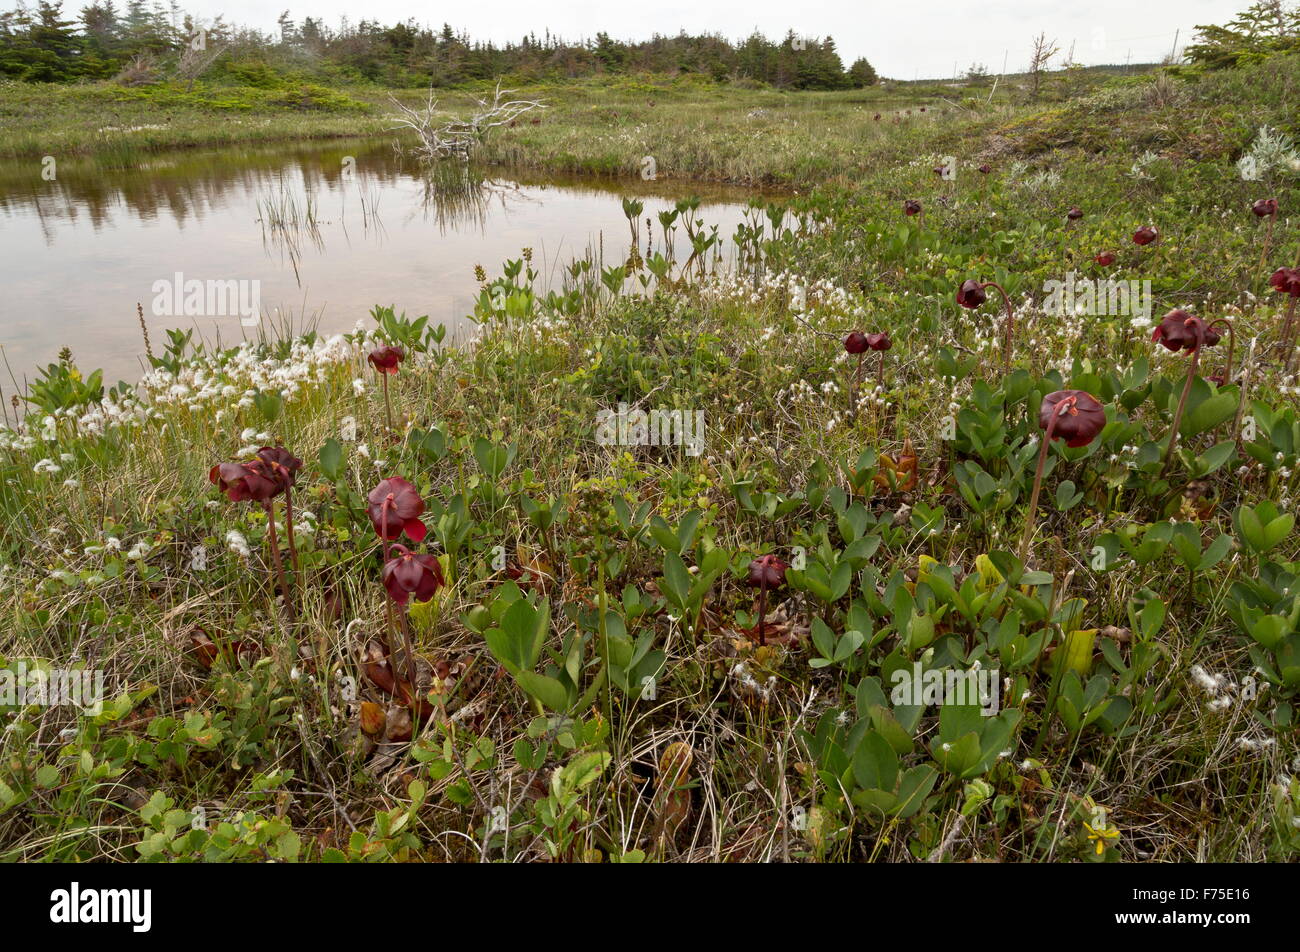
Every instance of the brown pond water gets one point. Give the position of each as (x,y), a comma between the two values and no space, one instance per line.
(79,251)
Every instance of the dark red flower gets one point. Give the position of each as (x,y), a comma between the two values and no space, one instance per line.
(1105,259)
(1286,281)
(879,341)
(971,294)
(1075,213)
(283,464)
(395,504)
(1145,235)
(767,571)
(1265,207)
(244,481)
(985,169)
(856,342)
(876,117)
(406,574)
(1179,330)
(385,359)
(912,207)
(1079,416)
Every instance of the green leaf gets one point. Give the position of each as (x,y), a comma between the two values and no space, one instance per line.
(677,577)
(914,788)
(875,765)
(546,689)
(331,459)
(1215,457)
(492,459)
(1208,414)
(1215,552)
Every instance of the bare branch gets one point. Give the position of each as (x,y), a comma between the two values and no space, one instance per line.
(442,135)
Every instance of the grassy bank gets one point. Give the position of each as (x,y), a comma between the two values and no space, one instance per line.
(597,677)
(693,130)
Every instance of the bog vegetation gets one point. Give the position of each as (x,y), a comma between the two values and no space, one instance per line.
(859,546)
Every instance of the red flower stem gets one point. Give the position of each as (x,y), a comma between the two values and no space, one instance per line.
(762,613)
(857,379)
(410,653)
(388,408)
(1028,534)
(275,558)
(388,603)
(1182,403)
(288,525)
(1010,325)
(1288,346)
(1268,240)
(1227,377)
(880,382)
(1232,345)
(383,538)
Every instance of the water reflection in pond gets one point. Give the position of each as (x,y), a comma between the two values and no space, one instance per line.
(316,233)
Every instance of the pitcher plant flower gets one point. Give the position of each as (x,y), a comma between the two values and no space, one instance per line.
(972,294)
(261,480)
(881,343)
(394,506)
(386,360)
(407,574)
(855,343)
(284,465)
(765,572)
(1180,331)
(1266,208)
(1287,281)
(1074,416)
(1146,235)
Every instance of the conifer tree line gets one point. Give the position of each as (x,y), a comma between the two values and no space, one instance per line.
(43,43)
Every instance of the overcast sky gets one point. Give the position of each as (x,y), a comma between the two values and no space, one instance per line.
(901,38)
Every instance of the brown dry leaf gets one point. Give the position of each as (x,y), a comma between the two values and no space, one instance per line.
(205,649)
(904,469)
(380,673)
(375,664)
(675,765)
(1121,636)
(676,809)
(398,725)
(532,570)
(372,718)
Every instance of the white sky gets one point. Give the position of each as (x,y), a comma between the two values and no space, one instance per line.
(901,39)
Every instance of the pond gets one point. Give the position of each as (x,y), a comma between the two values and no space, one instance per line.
(249,241)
